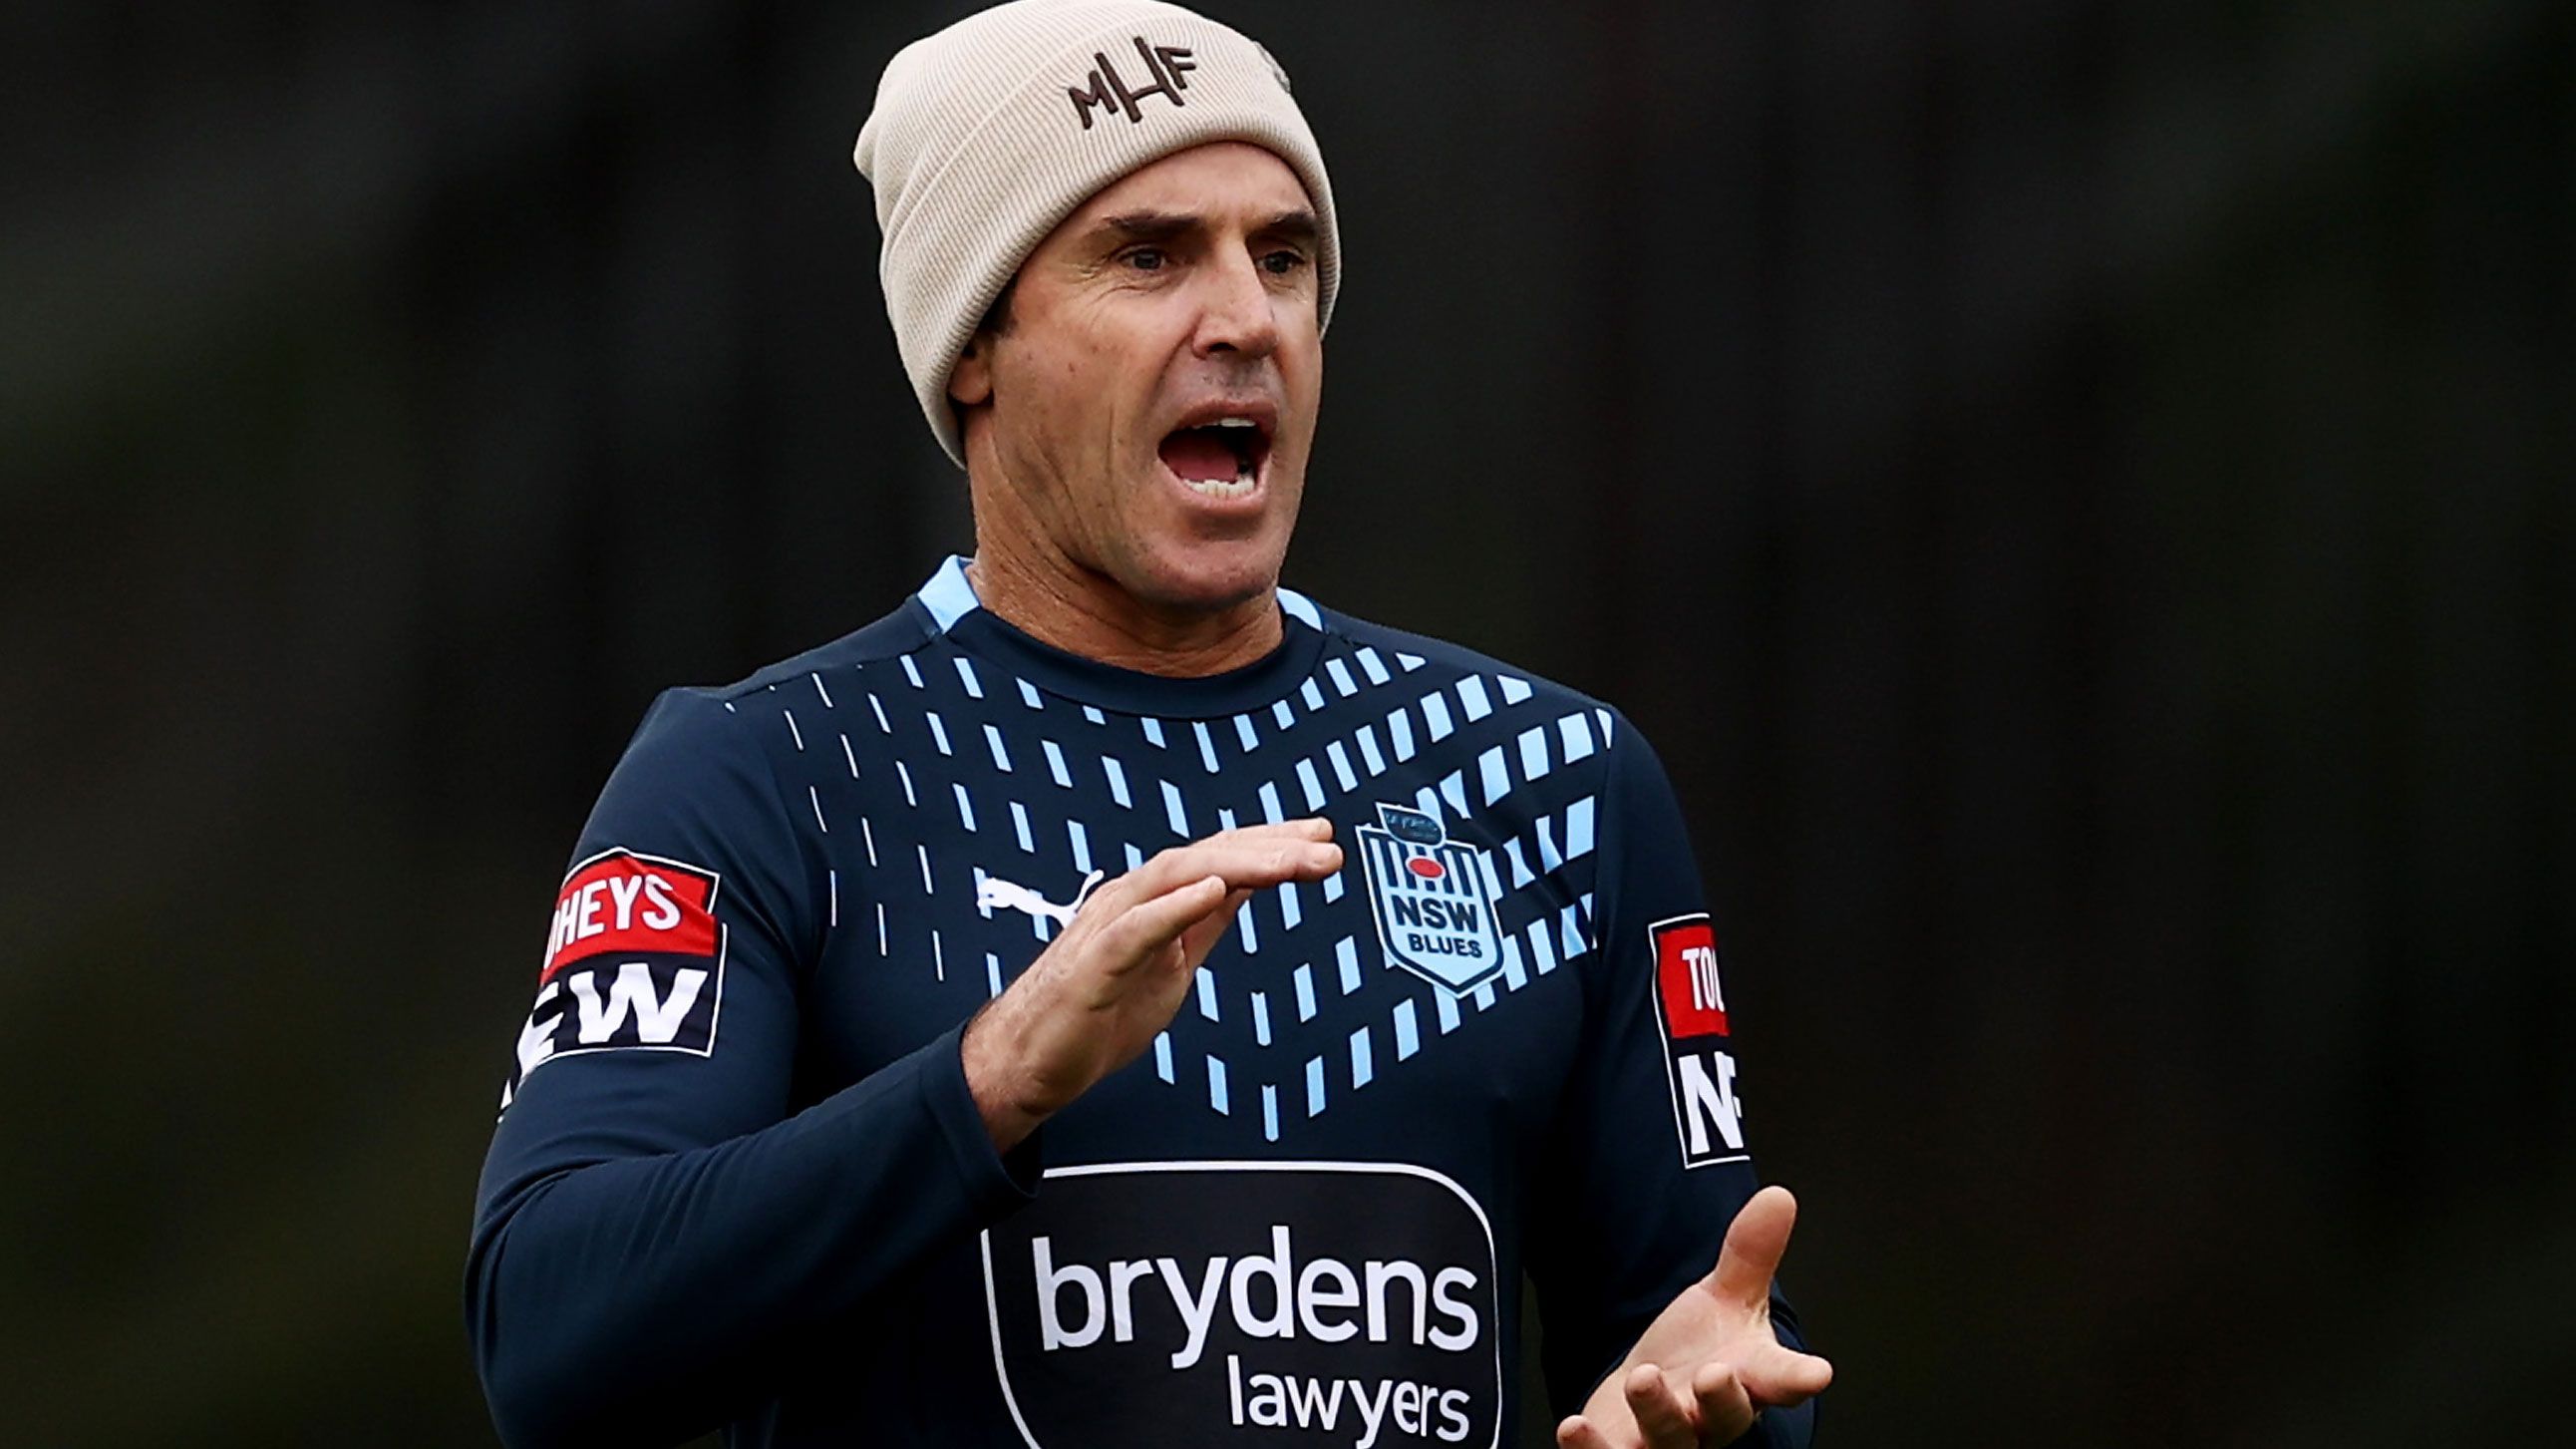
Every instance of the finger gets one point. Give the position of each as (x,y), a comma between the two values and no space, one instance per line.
(1663,1411)
(1750,1257)
(1252,856)
(1260,865)
(1203,934)
(1313,829)
(1785,1377)
(1170,870)
(1581,1433)
(1143,931)
(1725,1409)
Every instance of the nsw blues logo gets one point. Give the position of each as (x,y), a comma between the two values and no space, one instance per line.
(1435,917)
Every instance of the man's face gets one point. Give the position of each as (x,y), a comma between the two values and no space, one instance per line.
(1108,418)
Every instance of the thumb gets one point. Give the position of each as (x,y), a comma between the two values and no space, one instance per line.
(1204,933)
(1755,1241)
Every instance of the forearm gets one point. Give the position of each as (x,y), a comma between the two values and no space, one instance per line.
(669,1272)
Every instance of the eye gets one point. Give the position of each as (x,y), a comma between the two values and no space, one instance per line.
(1147,259)
(1281,263)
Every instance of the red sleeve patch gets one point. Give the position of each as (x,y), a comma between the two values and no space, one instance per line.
(621,901)
(1686,975)
(1690,1009)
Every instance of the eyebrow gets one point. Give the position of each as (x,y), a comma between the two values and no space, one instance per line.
(1136,226)
(1298,226)
(1162,226)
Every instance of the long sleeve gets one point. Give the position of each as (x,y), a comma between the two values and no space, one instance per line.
(655,1230)
(1649,1162)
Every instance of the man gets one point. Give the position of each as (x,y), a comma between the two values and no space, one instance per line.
(1113,1000)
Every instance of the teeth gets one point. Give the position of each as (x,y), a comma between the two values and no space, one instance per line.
(1233,422)
(1220,488)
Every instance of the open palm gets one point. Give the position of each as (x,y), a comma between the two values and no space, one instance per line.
(1710,1360)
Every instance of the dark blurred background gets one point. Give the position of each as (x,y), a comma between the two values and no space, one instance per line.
(2080,494)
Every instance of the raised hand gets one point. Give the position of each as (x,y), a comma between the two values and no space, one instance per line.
(1093,1000)
(1710,1361)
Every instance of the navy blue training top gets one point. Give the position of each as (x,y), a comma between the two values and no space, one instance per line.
(739,1181)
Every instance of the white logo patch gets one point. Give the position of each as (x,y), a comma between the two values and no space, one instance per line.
(992,893)
(1434,910)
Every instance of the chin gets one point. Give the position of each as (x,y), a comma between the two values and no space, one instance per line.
(1208,576)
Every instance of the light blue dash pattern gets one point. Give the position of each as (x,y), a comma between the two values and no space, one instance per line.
(1578,829)
(1577,734)
(1471,693)
(1534,752)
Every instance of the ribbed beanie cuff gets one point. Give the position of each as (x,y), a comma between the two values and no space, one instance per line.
(987,134)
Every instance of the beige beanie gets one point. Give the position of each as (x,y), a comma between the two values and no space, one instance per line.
(988,133)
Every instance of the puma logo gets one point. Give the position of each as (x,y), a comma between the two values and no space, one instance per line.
(993,893)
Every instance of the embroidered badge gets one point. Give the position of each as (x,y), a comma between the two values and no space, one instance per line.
(1431,898)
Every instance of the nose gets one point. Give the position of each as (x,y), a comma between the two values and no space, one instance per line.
(1237,315)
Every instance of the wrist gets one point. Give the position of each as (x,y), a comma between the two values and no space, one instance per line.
(1003,1092)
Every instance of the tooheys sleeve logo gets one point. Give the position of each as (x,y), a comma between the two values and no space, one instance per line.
(635,960)
(1690,1011)
(1289,1303)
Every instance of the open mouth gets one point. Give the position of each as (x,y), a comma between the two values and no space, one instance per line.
(1220,458)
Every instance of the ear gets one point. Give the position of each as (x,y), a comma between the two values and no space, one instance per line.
(970,382)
